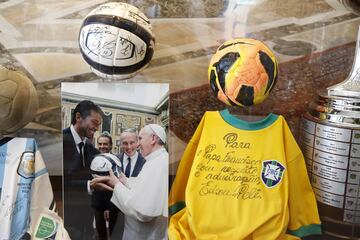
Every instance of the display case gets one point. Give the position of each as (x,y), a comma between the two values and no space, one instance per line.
(314,43)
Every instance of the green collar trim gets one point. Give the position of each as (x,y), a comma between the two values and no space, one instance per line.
(304,231)
(176,207)
(245,125)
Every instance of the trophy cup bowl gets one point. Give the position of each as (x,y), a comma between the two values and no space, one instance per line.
(330,140)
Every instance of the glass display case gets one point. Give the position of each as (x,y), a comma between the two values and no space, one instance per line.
(314,43)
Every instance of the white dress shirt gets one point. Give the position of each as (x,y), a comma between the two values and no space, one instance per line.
(133,160)
(77,138)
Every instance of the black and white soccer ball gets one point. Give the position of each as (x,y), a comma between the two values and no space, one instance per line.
(102,163)
(116,40)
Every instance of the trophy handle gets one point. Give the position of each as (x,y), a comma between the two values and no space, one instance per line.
(350,87)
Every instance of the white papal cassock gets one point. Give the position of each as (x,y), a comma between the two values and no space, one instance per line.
(144,199)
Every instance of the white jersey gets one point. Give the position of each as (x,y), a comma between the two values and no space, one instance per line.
(26,198)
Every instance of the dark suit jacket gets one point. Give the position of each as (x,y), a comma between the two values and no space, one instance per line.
(138,166)
(77,212)
(101,199)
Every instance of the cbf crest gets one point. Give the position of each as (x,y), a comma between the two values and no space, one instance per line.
(272,172)
(26,167)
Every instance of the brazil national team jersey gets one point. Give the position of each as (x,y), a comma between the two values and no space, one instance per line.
(242,180)
(26,197)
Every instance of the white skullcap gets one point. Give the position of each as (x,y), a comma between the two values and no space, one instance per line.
(158,130)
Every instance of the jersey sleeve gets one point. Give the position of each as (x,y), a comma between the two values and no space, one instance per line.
(42,193)
(177,192)
(304,217)
(44,221)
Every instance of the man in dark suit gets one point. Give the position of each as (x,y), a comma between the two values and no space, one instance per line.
(104,143)
(131,160)
(131,164)
(78,151)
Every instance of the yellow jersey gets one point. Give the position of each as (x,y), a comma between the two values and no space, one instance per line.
(242,180)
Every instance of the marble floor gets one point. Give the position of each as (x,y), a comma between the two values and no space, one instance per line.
(40,38)
(313,40)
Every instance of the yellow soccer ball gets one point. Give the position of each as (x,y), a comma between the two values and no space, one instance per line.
(242,72)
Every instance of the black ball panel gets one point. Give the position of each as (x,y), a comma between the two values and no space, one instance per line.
(223,66)
(269,66)
(213,84)
(246,95)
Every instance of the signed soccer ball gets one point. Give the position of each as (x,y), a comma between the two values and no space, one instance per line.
(102,163)
(116,40)
(242,72)
(18,100)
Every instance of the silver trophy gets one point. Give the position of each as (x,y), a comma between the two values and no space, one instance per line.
(330,139)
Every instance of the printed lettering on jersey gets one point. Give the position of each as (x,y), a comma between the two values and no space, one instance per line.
(46,229)
(272,173)
(26,167)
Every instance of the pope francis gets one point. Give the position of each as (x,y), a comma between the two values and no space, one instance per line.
(143,199)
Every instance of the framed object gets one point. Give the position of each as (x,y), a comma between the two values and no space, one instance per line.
(127,121)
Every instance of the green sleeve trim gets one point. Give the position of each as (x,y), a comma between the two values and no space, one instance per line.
(304,231)
(176,207)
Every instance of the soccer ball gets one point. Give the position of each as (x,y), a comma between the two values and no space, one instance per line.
(102,163)
(242,72)
(116,40)
(18,100)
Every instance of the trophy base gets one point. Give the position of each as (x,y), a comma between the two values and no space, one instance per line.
(330,140)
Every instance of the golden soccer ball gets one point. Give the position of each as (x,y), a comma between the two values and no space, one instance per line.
(18,100)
